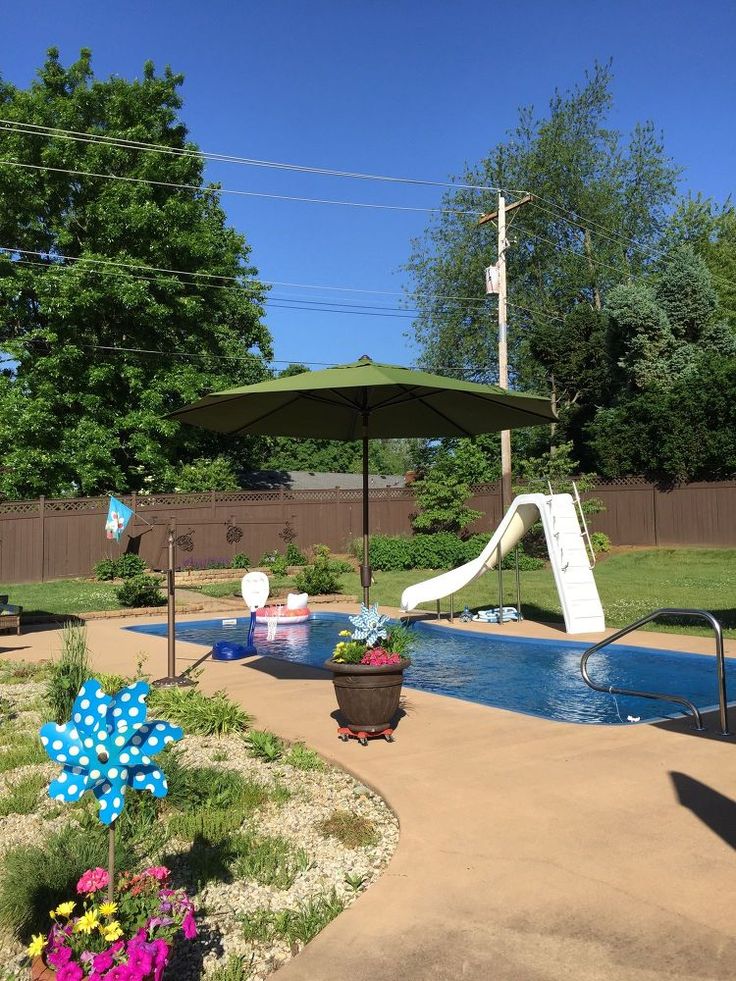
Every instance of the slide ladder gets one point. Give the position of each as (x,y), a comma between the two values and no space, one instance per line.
(569,559)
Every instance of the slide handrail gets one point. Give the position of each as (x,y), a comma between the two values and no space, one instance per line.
(667,612)
(584,523)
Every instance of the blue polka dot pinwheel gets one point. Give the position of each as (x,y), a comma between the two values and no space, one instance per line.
(106,747)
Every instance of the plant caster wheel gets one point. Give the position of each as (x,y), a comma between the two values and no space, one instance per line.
(344,734)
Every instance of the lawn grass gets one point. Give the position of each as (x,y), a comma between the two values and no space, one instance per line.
(631,583)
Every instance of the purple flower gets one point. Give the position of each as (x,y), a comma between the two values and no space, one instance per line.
(70,972)
(189,926)
(59,956)
(103,961)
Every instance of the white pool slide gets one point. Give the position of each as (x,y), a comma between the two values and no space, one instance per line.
(581,605)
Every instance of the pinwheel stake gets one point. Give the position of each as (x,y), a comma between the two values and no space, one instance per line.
(107,747)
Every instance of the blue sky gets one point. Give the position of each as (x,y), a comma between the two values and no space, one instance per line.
(406,88)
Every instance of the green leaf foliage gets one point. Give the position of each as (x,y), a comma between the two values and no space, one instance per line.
(75,418)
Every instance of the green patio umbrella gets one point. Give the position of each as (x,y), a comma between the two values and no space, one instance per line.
(366,400)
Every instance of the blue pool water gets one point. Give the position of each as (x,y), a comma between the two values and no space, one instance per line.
(536,677)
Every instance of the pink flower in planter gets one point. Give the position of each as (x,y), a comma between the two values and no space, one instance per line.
(92,881)
(378,657)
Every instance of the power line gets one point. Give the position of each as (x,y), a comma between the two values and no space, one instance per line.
(229,190)
(33,129)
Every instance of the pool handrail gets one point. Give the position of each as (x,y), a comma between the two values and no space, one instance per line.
(678,699)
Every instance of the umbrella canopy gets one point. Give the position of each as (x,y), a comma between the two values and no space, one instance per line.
(366,400)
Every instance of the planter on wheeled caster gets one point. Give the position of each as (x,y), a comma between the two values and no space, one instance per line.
(368,696)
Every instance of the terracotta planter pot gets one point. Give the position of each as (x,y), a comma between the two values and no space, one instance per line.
(368,697)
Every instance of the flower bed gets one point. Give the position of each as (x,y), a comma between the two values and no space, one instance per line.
(270,844)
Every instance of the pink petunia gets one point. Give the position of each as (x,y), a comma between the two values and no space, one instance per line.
(70,972)
(189,926)
(159,872)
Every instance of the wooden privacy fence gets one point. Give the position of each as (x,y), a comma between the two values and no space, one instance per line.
(53,539)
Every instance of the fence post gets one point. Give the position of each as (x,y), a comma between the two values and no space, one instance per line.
(654,514)
(42,516)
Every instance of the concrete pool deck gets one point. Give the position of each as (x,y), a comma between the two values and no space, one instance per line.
(530,850)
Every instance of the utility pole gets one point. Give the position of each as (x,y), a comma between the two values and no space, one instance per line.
(503,360)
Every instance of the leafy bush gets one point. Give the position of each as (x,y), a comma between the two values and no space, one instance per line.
(264,745)
(302,758)
(195,788)
(236,969)
(124,567)
(129,565)
(36,878)
(298,925)
(600,542)
(240,561)
(268,860)
(268,558)
(441,496)
(197,713)
(140,591)
(279,566)
(68,674)
(321,577)
(439,551)
(351,830)
(112,683)
(294,556)
(104,569)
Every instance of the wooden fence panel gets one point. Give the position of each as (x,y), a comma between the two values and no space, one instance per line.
(63,538)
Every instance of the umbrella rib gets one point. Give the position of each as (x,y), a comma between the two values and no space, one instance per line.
(271,412)
(495,401)
(452,422)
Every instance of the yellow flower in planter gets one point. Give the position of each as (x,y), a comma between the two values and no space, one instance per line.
(107,909)
(36,946)
(112,931)
(87,923)
(64,909)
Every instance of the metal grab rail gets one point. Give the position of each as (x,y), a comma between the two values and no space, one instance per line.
(677,699)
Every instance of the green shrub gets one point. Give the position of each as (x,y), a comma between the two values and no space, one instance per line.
(68,674)
(351,830)
(104,569)
(294,556)
(600,542)
(442,550)
(268,558)
(197,713)
(302,758)
(264,745)
(299,925)
(123,567)
(112,683)
(140,591)
(267,860)
(240,561)
(238,968)
(321,576)
(36,878)
(191,789)
(210,823)
(129,565)
(279,566)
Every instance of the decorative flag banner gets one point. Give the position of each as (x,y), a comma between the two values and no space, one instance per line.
(118,516)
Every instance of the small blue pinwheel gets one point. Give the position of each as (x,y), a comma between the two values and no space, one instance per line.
(107,746)
(370,625)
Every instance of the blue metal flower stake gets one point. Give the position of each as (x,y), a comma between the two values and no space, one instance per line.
(106,747)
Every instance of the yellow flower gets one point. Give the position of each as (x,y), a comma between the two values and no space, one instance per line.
(87,923)
(36,946)
(107,909)
(344,633)
(113,931)
(64,909)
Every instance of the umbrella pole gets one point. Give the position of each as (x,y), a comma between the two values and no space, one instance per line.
(365,569)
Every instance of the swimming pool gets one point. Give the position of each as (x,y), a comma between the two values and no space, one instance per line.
(536,677)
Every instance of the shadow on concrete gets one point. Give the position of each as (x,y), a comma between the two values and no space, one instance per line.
(711,720)
(714,809)
(284,670)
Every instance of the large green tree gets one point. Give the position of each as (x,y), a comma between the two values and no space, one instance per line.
(76,280)
(599,209)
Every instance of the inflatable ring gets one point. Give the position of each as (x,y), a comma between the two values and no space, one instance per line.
(282,615)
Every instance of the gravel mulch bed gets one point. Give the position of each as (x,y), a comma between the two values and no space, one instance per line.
(303,799)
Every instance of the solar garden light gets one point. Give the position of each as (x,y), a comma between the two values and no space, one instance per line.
(108,746)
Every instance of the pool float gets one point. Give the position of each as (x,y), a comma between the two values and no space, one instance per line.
(491,616)
(255,588)
(295,610)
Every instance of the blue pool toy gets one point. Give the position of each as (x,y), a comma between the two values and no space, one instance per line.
(255,589)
